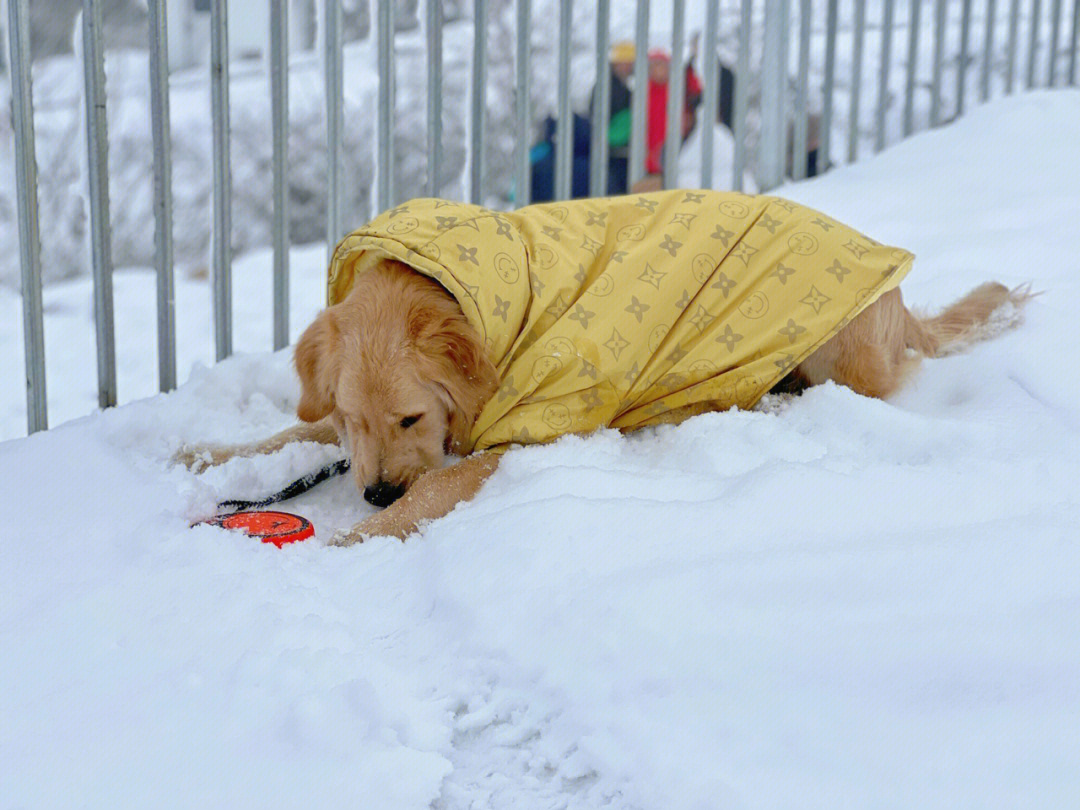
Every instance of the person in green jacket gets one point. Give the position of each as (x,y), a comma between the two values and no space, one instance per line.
(622,67)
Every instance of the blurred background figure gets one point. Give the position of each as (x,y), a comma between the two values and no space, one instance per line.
(725,112)
(542,160)
(542,155)
(620,126)
(658,86)
(619,123)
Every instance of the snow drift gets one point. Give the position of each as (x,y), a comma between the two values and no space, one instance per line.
(829,602)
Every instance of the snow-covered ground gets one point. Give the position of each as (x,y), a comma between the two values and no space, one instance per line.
(830,602)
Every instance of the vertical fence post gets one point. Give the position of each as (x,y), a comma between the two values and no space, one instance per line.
(1074,40)
(97,149)
(940,12)
(988,51)
(676,100)
(912,65)
(710,65)
(479,102)
(856,80)
(741,101)
(434,23)
(639,99)
(564,123)
(883,75)
(1033,41)
(1055,32)
(1014,26)
(824,161)
(279,113)
(523,132)
(802,116)
(334,120)
(163,206)
(773,94)
(601,105)
(221,264)
(961,68)
(774,132)
(27,199)
(384,165)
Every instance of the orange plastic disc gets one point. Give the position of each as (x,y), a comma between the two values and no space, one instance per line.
(278,528)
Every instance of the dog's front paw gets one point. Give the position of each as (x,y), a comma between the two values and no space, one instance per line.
(390,522)
(346,537)
(386,523)
(198,457)
(195,458)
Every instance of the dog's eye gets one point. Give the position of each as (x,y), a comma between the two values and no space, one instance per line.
(409,421)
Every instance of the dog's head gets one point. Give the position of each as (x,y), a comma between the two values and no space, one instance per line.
(401,374)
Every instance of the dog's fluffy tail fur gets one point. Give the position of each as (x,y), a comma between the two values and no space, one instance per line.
(983,313)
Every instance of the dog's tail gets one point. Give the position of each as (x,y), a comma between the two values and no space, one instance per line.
(983,313)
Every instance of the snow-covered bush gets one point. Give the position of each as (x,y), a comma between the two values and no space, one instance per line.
(60,152)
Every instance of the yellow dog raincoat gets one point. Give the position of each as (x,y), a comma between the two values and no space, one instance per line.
(632,311)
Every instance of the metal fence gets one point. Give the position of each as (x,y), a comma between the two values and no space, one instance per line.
(783,28)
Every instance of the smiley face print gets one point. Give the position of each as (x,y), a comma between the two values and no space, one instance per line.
(544,367)
(506,268)
(557,416)
(754,306)
(803,243)
(603,286)
(402,225)
(703,267)
(545,257)
(734,209)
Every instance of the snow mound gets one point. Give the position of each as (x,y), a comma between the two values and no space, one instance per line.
(829,602)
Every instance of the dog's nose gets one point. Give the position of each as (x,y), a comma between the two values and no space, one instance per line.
(383,493)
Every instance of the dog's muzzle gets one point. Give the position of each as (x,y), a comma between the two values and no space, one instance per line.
(383,493)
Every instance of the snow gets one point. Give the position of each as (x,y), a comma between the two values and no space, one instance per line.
(70,355)
(830,601)
(692,157)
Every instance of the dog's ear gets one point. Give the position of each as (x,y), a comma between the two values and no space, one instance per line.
(318,362)
(453,357)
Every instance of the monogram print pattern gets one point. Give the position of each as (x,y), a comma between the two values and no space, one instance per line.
(630,311)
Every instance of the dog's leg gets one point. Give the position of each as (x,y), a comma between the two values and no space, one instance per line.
(882,346)
(199,457)
(433,495)
(870,355)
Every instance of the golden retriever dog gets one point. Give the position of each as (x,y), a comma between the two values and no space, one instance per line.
(396,375)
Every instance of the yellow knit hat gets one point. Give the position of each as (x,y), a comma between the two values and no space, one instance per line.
(623,51)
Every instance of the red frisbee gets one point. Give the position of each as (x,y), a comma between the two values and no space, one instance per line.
(278,528)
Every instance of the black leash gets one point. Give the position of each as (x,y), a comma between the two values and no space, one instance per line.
(297,487)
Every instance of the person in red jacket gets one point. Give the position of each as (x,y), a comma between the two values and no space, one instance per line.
(659,73)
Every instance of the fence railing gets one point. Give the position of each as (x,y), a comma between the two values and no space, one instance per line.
(772,118)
